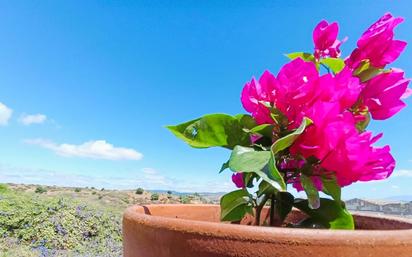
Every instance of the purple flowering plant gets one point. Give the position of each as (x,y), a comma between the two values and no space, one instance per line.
(307,128)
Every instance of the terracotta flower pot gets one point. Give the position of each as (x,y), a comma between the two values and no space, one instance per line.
(195,231)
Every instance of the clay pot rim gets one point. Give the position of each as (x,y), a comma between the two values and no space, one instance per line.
(266,234)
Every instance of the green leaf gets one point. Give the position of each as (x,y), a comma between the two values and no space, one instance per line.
(246,121)
(284,204)
(248,178)
(330,214)
(274,172)
(335,64)
(235,205)
(269,179)
(224,166)
(214,130)
(311,191)
(264,130)
(286,141)
(265,189)
(304,56)
(362,125)
(366,71)
(331,187)
(246,159)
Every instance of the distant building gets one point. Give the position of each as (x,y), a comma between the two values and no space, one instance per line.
(357,204)
(386,207)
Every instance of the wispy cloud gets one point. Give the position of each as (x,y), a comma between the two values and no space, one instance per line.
(5,114)
(402,173)
(99,149)
(29,119)
(147,178)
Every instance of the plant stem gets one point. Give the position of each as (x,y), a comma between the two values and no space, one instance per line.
(272,210)
(259,210)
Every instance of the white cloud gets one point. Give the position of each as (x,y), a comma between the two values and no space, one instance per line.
(99,149)
(5,114)
(28,119)
(147,178)
(402,173)
(153,179)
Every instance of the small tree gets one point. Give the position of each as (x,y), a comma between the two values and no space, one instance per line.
(40,190)
(169,192)
(77,190)
(139,191)
(184,199)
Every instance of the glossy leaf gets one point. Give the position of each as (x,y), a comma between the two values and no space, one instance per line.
(265,189)
(311,191)
(331,187)
(284,204)
(214,130)
(366,71)
(246,121)
(224,166)
(274,172)
(264,130)
(330,214)
(246,159)
(304,56)
(235,205)
(334,64)
(286,141)
(268,178)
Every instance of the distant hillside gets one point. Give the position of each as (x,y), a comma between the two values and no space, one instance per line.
(64,221)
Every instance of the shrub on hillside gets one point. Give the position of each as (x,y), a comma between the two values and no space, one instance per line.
(56,226)
(154,197)
(40,190)
(139,191)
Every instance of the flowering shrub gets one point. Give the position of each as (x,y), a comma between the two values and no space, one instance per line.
(307,128)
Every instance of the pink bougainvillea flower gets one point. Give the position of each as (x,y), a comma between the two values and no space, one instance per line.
(255,93)
(237,179)
(377,44)
(343,88)
(382,94)
(355,159)
(407,93)
(315,180)
(325,40)
(335,141)
(296,89)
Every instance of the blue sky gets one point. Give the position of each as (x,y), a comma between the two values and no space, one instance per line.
(107,76)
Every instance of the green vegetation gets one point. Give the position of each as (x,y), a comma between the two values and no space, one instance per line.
(139,191)
(37,225)
(154,197)
(77,190)
(40,190)
(55,224)
(184,199)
